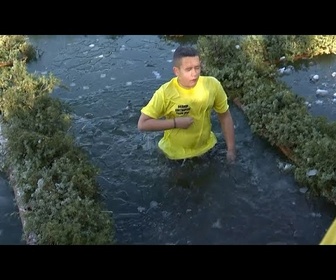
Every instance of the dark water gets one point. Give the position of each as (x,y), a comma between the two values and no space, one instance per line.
(10,223)
(254,202)
(301,82)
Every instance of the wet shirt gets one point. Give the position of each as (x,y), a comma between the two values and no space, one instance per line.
(172,101)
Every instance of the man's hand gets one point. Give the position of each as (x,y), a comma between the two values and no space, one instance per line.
(231,156)
(183,122)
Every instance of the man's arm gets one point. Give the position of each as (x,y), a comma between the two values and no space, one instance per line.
(226,123)
(146,123)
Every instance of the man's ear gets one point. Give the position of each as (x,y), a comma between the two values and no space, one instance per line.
(175,70)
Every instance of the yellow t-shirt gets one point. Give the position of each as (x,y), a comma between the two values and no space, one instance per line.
(171,101)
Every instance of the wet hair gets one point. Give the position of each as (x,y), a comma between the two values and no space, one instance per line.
(183,51)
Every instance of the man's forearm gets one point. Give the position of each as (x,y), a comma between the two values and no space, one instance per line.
(228,130)
(229,136)
(156,124)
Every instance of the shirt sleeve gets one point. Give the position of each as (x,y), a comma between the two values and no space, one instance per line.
(156,105)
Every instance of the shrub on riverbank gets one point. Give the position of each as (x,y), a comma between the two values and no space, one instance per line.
(54,182)
(247,67)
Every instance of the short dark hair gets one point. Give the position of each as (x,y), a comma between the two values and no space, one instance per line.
(183,51)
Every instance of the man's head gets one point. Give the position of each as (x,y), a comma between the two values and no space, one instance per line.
(186,66)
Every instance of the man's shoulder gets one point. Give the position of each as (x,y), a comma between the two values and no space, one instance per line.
(167,87)
(210,79)
(168,84)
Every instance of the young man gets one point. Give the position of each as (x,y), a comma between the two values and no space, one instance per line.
(182,109)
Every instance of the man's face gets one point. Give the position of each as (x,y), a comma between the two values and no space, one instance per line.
(188,72)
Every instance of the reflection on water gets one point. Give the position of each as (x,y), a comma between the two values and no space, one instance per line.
(156,201)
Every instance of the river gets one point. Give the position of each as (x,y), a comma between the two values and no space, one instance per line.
(108,80)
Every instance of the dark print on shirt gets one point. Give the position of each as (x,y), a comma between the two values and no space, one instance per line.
(182,110)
